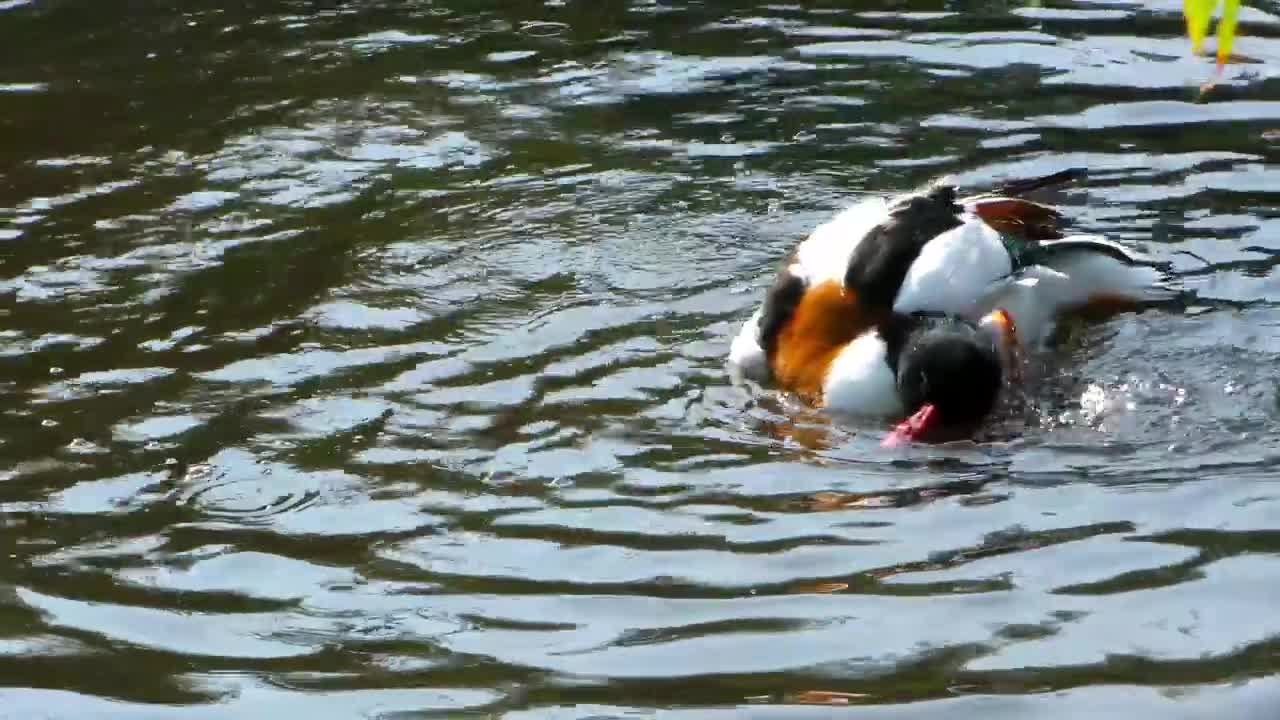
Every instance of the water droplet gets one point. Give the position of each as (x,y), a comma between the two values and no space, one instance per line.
(82,446)
(199,471)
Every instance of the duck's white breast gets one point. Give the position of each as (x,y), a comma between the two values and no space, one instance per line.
(746,357)
(859,380)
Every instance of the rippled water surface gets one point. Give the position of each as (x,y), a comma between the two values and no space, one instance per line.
(366,359)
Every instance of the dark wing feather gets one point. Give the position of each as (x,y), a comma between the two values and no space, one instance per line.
(881,260)
(779,305)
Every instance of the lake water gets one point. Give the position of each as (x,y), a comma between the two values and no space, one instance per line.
(366,359)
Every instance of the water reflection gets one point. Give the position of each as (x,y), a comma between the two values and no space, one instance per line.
(370,360)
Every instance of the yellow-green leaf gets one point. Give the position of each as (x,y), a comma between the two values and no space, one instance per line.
(1199,12)
(1227,30)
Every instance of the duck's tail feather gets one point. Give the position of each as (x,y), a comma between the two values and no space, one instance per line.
(1015,188)
(1046,250)
(1106,267)
(1018,188)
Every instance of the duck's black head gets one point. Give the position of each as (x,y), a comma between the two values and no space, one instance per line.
(949,374)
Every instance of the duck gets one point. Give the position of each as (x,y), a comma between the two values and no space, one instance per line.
(923,305)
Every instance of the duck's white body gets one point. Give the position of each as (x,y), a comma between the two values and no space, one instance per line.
(952,273)
(965,271)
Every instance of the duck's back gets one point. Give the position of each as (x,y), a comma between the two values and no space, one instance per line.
(954,269)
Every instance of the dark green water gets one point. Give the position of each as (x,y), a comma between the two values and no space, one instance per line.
(365,359)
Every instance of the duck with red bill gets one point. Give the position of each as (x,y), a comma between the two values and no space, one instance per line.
(875,313)
(951,373)
(916,427)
